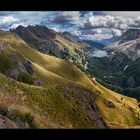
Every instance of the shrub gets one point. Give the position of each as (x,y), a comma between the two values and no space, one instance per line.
(18,116)
(3,110)
(109,104)
(25,78)
(5,63)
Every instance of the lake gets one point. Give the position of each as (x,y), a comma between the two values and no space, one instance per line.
(98,53)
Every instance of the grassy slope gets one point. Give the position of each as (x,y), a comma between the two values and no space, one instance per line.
(125,112)
(59,77)
(48,107)
(55,66)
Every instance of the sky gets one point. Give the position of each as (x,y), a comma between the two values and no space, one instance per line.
(90,25)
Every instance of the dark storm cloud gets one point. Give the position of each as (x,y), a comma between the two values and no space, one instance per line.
(108,21)
(62,17)
(60,20)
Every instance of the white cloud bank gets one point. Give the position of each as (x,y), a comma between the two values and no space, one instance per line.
(91,25)
(98,27)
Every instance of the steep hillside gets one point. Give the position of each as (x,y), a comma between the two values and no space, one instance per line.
(25,106)
(61,45)
(66,97)
(117,72)
(110,69)
(57,107)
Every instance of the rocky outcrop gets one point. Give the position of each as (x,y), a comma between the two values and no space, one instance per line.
(26,66)
(17,67)
(87,102)
(3,46)
(6,123)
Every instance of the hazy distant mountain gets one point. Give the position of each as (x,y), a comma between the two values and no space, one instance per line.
(128,43)
(130,34)
(69,36)
(106,42)
(95,44)
(100,44)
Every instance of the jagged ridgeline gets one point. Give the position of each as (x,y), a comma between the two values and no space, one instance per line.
(41,91)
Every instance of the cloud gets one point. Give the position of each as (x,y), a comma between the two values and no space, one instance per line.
(118,13)
(62,18)
(6,22)
(13,19)
(96,36)
(116,32)
(8,19)
(108,21)
(31,17)
(55,29)
(88,24)
(63,21)
(4,13)
(99,33)
(98,25)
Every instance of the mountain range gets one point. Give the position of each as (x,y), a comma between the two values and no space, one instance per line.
(128,43)
(48,80)
(119,70)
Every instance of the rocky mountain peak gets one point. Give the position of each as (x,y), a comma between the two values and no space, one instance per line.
(130,34)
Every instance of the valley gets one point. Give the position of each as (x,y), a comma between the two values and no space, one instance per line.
(55,80)
(109,66)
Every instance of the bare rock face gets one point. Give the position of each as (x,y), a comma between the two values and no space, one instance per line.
(50,48)
(130,34)
(3,46)
(6,123)
(87,102)
(13,73)
(19,68)
(109,104)
(25,67)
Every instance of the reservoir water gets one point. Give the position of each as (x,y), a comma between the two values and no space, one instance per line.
(98,53)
